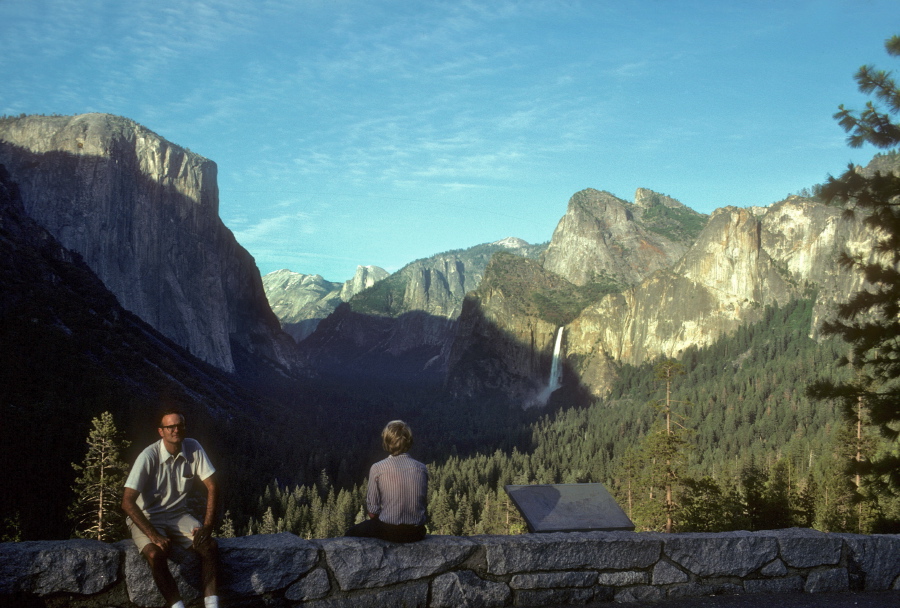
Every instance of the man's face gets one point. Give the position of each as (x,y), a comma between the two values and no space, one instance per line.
(171,429)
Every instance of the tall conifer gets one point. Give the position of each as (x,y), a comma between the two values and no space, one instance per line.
(870,321)
(98,490)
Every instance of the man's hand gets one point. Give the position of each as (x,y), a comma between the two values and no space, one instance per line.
(163,542)
(129,506)
(201,535)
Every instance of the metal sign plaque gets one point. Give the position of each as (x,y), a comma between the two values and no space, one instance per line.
(569,507)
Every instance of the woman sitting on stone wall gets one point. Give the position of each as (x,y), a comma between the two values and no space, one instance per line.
(398,491)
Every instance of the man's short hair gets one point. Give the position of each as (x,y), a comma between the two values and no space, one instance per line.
(396,437)
(168,411)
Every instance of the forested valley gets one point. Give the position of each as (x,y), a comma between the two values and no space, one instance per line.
(752,450)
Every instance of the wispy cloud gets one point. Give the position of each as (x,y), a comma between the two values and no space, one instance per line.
(630,70)
(275,240)
(471,108)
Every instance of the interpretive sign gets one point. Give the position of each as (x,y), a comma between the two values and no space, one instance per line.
(568,507)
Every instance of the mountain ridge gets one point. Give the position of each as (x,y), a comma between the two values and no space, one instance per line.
(742,260)
(301,301)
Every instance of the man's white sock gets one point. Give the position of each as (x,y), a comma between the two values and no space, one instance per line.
(211,601)
(178,604)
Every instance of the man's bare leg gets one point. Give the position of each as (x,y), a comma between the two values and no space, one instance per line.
(159,567)
(209,564)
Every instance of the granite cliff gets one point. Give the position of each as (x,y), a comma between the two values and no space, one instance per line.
(743,261)
(501,341)
(604,238)
(504,343)
(628,282)
(437,285)
(143,214)
(601,246)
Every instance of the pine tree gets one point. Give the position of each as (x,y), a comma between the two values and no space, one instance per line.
(870,321)
(777,497)
(268,525)
(753,493)
(853,445)
(98,490)
(705,507)
(806,502)
(440,516)
(834,508)
(664,447)
(327,524)
(226,528)
(11,528)
(465,517)
(630,467)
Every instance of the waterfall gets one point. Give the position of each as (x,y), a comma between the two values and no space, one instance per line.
(555,371)
(555,380)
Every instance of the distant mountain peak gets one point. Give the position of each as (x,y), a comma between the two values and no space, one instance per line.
(511,242)
(603,237)
(300,301)
(646,198)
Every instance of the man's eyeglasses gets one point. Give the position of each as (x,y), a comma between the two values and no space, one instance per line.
(172,427)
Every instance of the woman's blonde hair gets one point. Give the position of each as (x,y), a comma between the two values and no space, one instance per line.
(396,437)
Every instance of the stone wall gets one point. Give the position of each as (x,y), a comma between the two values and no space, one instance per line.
(450,571)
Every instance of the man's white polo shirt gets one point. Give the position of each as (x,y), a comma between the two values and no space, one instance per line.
(163,479)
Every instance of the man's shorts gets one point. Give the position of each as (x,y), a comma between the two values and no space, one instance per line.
(178,527)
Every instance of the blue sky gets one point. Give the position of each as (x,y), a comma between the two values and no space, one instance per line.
(380,132)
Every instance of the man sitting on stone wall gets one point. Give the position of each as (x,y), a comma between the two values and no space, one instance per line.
(155,501)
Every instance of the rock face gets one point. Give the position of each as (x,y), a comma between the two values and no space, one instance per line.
(601,237)
(506,337)
(143,213)
(365,277)
(503,346)
(678,279)
(742,262)
(301,301)
(437,285)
